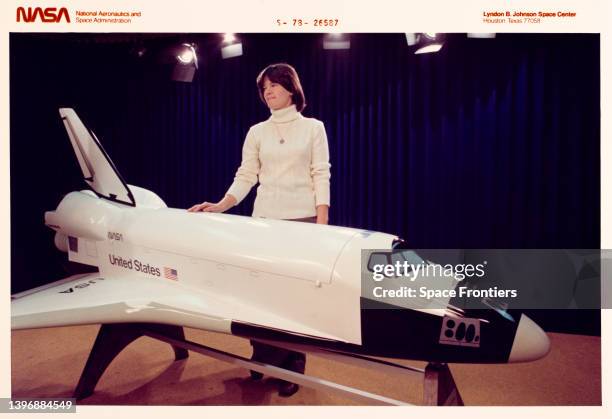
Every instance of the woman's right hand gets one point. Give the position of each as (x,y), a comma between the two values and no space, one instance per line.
(226,203)
(207,207)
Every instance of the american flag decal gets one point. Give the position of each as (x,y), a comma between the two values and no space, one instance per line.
(170,273)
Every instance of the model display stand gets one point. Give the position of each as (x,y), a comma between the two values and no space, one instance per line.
(439,388)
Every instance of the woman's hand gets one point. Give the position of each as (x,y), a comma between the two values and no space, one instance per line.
(226,203)
(322,214)
(208,207)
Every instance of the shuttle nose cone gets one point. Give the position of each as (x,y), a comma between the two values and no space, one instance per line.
(530,342)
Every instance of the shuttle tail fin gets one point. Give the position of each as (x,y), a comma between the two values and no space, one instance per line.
(98,169)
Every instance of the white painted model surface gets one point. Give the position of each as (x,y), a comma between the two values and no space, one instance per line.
(266,272)
(208,270)
(530,342)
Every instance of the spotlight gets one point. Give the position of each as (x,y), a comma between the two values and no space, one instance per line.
(186,65)
(186,57)
(481,35)
(336,41)
(429,48)
(230,51)
(425,42)
(411,38)
(234,47)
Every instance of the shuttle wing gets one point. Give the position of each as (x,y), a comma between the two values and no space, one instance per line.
(92,299)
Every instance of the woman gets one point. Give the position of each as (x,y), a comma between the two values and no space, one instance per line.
(289,156)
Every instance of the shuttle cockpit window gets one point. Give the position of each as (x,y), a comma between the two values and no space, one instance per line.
(409,256)
(391,258)
(378,258)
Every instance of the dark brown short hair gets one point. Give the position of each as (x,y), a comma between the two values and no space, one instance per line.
(286,76)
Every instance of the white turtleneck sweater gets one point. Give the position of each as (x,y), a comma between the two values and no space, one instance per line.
(288,154)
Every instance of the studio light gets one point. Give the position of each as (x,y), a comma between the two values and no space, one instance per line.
(230,51)
(411,38)
(186,57)
(426,42)
(429,49)
(233,47)
(336,41)
(186,63)
(481,35)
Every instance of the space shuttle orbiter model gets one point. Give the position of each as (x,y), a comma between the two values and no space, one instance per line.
(263,279)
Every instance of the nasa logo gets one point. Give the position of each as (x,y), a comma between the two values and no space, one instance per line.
(46,15)
(115,236)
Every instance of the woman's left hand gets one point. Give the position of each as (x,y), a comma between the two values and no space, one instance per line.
(322,214)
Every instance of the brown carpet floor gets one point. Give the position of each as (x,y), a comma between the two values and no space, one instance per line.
(48,363)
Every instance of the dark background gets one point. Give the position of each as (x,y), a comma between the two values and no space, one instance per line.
(490,143)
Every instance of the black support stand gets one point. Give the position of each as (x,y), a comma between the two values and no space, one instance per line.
(111,340)
(439,388)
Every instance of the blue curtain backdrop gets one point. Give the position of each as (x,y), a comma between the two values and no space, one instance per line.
(490,143)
